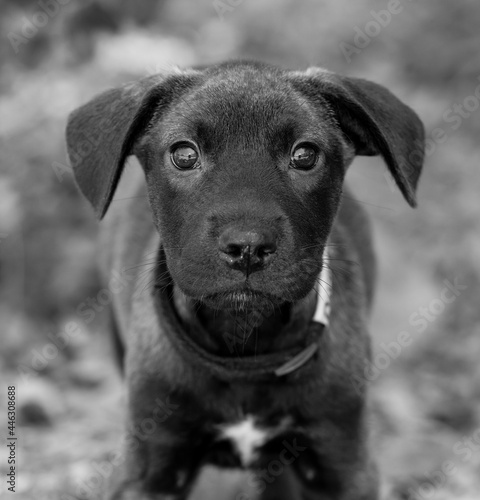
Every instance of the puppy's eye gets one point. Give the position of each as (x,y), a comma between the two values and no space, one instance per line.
(304,157)
(184,157)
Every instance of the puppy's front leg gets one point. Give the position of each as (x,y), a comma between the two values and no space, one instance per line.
(154,472)
(161,455)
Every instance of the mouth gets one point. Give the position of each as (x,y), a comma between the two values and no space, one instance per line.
(243,300)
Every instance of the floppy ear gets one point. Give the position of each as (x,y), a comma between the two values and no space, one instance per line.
(101,133)
(374,120)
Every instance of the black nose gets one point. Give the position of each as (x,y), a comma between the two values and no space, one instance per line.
(247,250)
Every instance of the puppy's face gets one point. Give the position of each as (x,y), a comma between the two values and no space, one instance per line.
(244,164)
(244,177)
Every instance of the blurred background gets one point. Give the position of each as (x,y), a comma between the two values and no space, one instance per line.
(56,54)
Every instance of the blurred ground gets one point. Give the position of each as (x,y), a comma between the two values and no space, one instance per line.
(426,397)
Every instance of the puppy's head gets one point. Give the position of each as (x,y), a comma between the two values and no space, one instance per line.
(244,165)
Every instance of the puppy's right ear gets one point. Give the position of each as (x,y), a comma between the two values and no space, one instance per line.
(102,133)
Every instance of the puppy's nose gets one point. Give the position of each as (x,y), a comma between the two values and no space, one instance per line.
(247,250)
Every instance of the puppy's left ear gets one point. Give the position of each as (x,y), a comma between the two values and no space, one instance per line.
(374,120)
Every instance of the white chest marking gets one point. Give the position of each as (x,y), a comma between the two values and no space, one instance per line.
(246,436)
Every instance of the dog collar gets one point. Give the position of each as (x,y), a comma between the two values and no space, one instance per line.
(321,317)
(263,366)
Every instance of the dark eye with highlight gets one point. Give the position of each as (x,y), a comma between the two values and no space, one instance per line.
(184,156)
(304,157)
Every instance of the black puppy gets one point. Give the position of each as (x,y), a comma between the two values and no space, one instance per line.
(248,349)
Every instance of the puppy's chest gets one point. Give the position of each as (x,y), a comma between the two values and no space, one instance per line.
(248,435)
